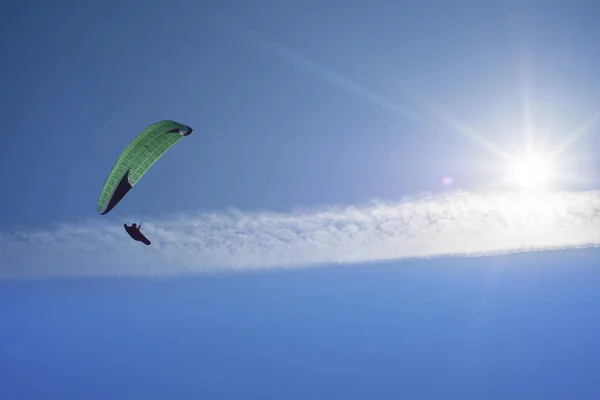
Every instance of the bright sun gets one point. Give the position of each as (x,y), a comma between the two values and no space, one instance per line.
(531,172)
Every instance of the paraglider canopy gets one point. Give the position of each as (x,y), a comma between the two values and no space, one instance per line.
(135,160)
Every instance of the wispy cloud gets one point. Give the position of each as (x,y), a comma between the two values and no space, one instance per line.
(459,224)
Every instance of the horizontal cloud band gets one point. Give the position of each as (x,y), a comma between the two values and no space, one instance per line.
(456,224)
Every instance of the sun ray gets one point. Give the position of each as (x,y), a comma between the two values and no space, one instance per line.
(528,123)
(583,129)
(460,127)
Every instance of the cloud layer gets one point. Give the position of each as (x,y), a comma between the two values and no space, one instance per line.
(457,224)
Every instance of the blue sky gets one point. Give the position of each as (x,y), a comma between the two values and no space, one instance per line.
(304,242)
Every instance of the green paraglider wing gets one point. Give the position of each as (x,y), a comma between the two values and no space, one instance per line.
(137,158)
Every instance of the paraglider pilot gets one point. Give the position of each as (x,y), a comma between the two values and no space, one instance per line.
(134,232)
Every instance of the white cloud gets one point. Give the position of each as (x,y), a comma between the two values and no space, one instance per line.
(459,223)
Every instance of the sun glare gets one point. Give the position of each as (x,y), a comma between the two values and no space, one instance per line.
(531,172)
